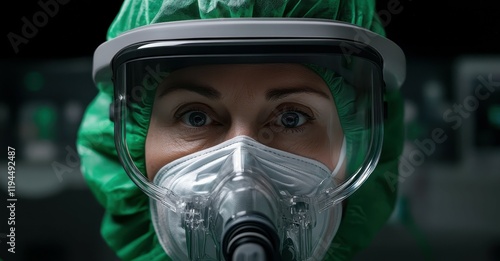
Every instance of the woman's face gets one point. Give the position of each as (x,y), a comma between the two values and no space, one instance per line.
(284,106)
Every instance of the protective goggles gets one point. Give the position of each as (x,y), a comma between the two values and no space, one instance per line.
(360,64)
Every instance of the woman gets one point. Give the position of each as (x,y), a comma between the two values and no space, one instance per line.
(251,137)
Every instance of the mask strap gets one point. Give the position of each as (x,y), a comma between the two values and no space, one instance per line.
(340,163)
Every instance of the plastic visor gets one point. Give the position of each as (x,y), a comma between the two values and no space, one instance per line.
(360,75)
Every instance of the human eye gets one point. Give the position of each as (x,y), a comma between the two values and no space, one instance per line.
(196,119)
(292,118)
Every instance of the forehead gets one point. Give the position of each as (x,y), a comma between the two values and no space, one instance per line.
(275,72)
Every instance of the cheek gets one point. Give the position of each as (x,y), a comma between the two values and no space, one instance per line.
(327,153)
(324,152)
(322,146)
(318,147)
(159,152)
(166,144)
(162,147)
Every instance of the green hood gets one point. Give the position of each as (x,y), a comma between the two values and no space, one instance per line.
(127,226)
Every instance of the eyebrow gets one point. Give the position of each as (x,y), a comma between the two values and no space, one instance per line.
(211,93)
(203,90)
(279,93)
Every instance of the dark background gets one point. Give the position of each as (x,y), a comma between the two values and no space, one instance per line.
(447,208)
(424,28)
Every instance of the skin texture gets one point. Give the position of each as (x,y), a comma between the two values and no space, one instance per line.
(284,106)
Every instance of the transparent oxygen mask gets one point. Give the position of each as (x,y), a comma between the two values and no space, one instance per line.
(249,199)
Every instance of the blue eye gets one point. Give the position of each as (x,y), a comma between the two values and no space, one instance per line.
(196,119)
(291,119)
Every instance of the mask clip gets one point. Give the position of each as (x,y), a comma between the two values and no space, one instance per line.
(193,222)
(302,224)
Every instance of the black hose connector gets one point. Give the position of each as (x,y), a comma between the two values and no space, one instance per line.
(250,238)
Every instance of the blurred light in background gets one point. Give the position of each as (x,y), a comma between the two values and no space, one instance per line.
(33,81)
(41,106)
(37,132)
(448,197)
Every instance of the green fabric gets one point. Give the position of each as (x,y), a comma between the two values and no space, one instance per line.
(355,132)
(127,226)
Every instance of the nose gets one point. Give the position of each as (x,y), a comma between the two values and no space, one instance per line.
(242,128)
